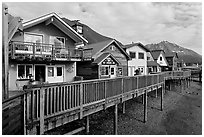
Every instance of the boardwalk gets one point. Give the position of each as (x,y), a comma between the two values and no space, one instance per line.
(46,107)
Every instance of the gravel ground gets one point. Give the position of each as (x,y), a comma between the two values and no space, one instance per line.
(182,115)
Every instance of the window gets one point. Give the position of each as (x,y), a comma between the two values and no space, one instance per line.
(148,58)
(104,71)
(112,47)
(141,56)
(35,39)
(50,71)
(132,55)
(120,71)
(79,29)
(58,42)
(59,71)
(24,71)
(112,71)
(160,58)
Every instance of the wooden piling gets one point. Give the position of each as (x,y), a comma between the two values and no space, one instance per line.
(123,107)
(87,124)
(145,106)
(115,122)
(156,91)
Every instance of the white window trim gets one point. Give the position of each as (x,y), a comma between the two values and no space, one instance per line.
(31,33)
(25,71)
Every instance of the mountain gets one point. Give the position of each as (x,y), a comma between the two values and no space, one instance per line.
(88,33)
(187,55)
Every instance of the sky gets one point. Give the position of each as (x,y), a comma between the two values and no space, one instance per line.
(148,22)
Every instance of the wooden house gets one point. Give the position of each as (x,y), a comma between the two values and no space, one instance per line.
(45,52)
(152,65)
(138,54)
(109,61)
(159,57)
(172,59)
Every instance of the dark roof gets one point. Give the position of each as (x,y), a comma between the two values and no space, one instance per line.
(97,47)
(152,63)
(171,54)
(136,44)
(103,56)
(155,54)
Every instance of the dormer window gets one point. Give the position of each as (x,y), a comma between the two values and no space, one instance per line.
(160,58)
(79,29)
(112,47)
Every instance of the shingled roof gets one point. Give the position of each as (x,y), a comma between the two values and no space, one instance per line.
(136,44)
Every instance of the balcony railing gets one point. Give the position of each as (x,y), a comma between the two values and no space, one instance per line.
(48,51)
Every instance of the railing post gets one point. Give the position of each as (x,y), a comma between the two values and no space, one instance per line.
(162,94)
(33,50)
(42,106)
(122,88)
(105,94)
(24,113)
(81,100)
(87,124)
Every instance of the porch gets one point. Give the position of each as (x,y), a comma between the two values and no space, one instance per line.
(40,51)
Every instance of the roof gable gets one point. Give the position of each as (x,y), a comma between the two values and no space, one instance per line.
(100,46)
(104,57)
(136,44)
(57,21)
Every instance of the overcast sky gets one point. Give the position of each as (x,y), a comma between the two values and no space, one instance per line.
(179,23)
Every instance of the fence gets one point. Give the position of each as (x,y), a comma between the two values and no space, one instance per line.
(45,101)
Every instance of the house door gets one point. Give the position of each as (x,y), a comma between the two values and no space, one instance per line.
(112,71)
(40,73)
(55,74)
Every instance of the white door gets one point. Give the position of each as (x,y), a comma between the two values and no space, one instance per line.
(55,74)
(112,71)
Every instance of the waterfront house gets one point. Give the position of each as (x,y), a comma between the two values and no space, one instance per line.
(138,54)
(159,57)
(46,51)
(109,61)
(152,65)
(172,59)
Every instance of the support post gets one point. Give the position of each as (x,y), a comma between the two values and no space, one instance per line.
(123,107)
(162,94)
(87,124)
(115,122)
(156,91)
(145,106)
(81,101)
(42,103)
(143,98)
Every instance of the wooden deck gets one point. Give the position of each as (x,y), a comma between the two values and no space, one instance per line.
(46,107)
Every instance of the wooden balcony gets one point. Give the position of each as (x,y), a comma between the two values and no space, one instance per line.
(41,51)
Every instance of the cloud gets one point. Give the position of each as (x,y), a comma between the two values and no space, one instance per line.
(180,23)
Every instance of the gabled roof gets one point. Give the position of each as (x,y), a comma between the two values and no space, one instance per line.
(136,44)
(171,54)
(156,53)
(48,16)
(103,56)
(98,47)
(14,24)
(152,64)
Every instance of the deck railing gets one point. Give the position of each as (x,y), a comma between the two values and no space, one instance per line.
(49,51)
(46,101)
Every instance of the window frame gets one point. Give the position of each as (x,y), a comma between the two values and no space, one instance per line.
(121,71)
(132,52)
(25,78)
(139,53)
(105,66)
(57,37)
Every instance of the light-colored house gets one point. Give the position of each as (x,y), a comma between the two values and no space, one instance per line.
(138,54)
(46,52)
(159,57)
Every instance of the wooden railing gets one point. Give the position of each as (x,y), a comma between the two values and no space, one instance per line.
(45,101)
(48,51)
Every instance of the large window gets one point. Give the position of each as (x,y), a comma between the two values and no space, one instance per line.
(59,71)
(24,71)
(36,39)
(59,42)
(104,70)
(132,55)
(141,55)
